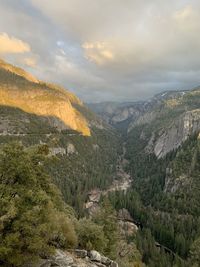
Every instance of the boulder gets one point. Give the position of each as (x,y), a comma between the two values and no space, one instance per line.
(105,261)
(81,253)
(94,256)
(70,149)
(61,259)
(99,264)
(114,264)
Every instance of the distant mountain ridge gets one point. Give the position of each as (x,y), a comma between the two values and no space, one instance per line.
(171,117)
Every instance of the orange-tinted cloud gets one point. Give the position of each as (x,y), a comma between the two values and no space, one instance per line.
(98,52)
(30,61)
(12,45)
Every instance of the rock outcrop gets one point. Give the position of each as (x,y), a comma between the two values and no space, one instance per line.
(126,223)
(170,138)
(75,258)
(20,90)
(53,151)
(116,113)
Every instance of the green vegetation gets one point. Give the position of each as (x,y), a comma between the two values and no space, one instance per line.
(169,221)
(34,220)
(92,164)
(91,235)
(46,171)
(33,217)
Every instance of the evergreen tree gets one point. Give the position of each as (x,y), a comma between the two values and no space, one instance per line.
(107,218)
(33,217)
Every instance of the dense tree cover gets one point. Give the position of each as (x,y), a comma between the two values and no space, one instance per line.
(195,253)
(107,218)
(102,232)
(91,235)
(34,220)
(169,218)
(33,217)
(93,164)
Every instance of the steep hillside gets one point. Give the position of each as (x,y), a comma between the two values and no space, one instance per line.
(81,148)
(147,166)
(119,115)
(163,151)
(170,121)
(38,229)
(162,148)
(20,90)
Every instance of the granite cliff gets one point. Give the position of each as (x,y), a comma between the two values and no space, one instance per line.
(21,90)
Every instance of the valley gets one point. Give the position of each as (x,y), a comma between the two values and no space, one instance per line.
(124,178)
(121,183)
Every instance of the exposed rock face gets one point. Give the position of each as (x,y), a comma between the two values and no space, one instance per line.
(57,151)
(70,149)
(95,256)
(134,113)
(126,223)
(41,99)
(116,113)
(94,196)
(143,119)
(76,258)
(18,71)
(124,215)
(174,183)
(179,131)
(124,114)
(122,182)
(95,147)
(92,205)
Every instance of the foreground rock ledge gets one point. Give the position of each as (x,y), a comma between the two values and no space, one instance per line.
(75,258)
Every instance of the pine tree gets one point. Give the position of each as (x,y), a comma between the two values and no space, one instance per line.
(107,218)
(33,217)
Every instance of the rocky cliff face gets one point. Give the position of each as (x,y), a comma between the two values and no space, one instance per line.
(17,71)
(134,113)
(172,137)
(76,258)
(118,113)
(169,121)
(19,89)
(74,138)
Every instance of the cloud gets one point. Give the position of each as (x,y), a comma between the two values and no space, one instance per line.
(98,52)
(30,61)
(12,45)
(184,13)
(108,50)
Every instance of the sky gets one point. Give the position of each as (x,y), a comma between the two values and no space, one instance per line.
(105,50)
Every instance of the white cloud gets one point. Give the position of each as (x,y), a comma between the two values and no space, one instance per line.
(109,49)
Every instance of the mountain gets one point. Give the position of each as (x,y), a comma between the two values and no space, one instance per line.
(121,114)
(162,148)
(143,157)
(21,90)
(118,114)
(82,148)
(53,152)
(169,121)
(161,143)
